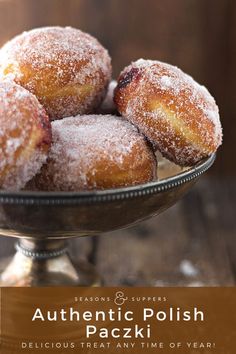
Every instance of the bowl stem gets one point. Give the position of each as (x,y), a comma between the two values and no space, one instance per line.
(45,263)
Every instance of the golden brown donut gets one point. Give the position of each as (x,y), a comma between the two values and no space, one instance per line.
(177,114)
(68,70)
(96,152)
(25,136)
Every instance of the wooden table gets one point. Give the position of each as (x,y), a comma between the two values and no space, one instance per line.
(191,244)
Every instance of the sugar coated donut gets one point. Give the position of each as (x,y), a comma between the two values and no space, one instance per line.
(96,152)
(68,70)
(25,136)
(177,114)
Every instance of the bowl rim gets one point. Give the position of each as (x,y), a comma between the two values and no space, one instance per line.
(84,197)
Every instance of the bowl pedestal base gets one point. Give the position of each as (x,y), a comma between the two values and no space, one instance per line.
(45,263)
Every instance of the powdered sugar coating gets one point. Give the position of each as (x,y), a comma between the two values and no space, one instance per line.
(176,113)
(108,106)
(96,152)
(68,70)
(25,136)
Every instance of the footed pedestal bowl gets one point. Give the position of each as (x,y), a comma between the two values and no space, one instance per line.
(43,221)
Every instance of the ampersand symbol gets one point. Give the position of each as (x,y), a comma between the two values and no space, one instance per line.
(120,298)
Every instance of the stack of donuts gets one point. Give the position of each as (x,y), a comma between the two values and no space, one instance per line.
(66,126)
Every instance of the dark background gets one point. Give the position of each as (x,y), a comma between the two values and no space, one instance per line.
(199,36)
